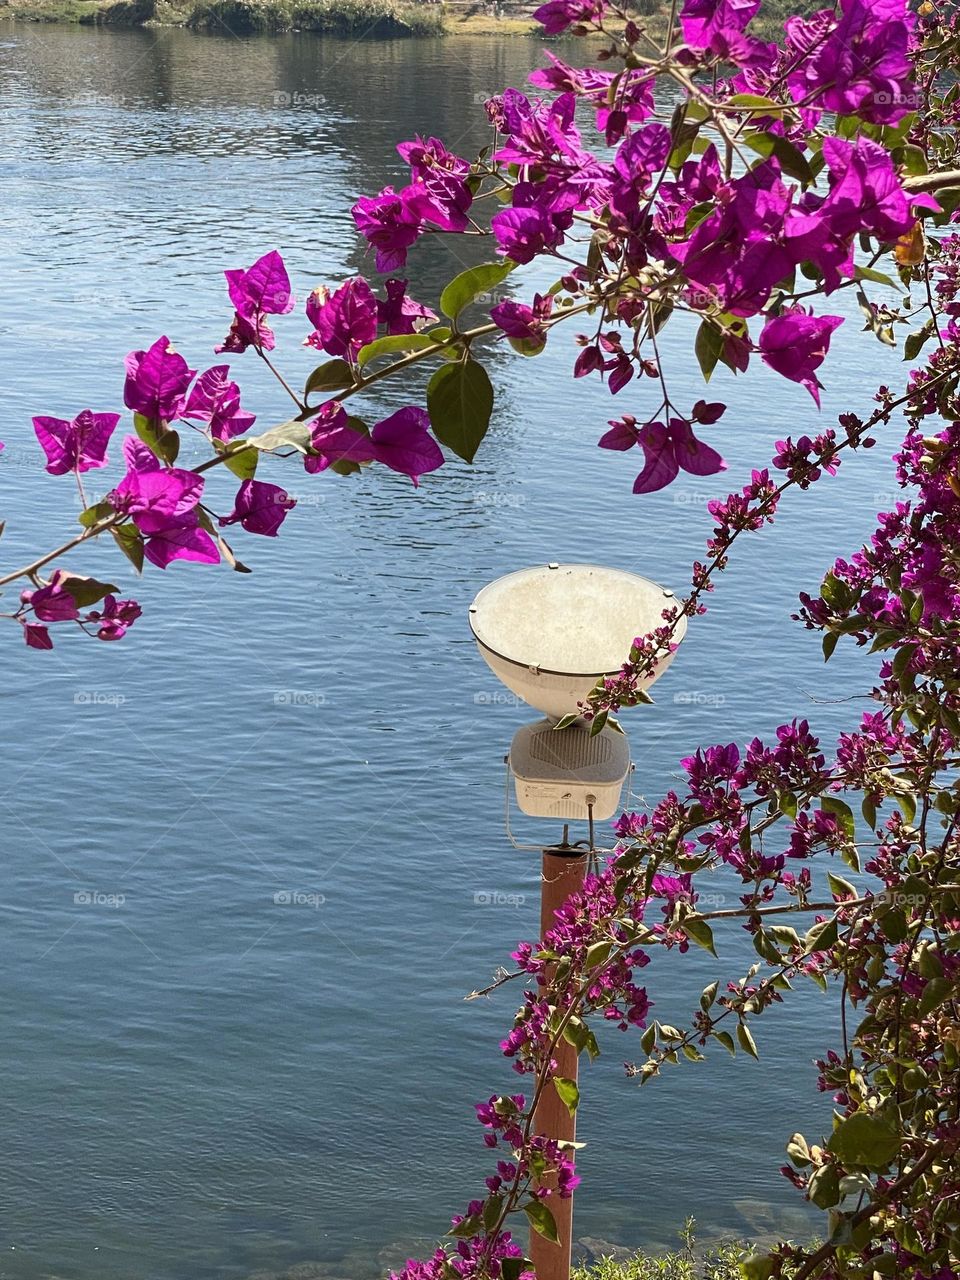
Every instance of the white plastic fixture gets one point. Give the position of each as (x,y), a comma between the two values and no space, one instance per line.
(550,632)
(570,774)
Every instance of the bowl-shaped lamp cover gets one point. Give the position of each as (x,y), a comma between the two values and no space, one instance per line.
(550,632)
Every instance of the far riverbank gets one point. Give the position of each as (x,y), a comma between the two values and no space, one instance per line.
(374,18)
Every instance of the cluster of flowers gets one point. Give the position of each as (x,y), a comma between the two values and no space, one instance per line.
(767,811)
(722,241)
(159,507)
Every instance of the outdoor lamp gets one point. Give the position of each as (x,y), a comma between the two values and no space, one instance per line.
(549,633)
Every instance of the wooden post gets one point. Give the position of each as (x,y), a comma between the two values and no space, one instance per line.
(562,874)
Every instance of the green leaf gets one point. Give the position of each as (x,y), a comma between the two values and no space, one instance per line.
(164,445)
(746,1041)
(949,200)
(468,285)
(913,343)
(93,515)
(334,375)
(649,1038)
(868,273)
(839,887)
(822,936)
(707,348)
(912,159)
(824,1186)
(86,591)
(130,541)
(835,592)
(568,1093)
(528,347)
(699,932)
(597,723)
(759,1266)
(566,721)
(864,1139)
(842,812)
(798,1151)
(830,641)
(288,435)
(934,993)
(581,1037)
(726,1039)
(460,402)
(241,461)
(393,343)
(542,1220)
(469,1227)
(768,106)
(907,804)
(708,995)
(493,1207)
(597,953)
(792,161)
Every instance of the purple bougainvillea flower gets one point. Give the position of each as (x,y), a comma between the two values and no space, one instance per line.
(795,344)
(343,321)
(866,193)
(403,443)
(180,537)
(389,223)
(399,312)
(423,155)
(703,20)
(441,198)
(623,434)
(335,440)
(78,445)
(37,636)
(137,456)
(216,401)
(157,381)
(523,233)
(557,15)
(162,502)
(531,225)
(115,617)
(52,603)
(668,448)
(261,290)
(159,492)
(858,64)
(259,508)
(738,251)
(524,323)
(537,132)
(244,333)
(634,93)
(642,156)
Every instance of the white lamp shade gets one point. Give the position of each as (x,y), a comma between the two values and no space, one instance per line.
(550,632)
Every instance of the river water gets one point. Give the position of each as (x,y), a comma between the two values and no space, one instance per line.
(202,1081)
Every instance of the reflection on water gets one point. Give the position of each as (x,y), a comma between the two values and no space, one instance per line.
(260,1057)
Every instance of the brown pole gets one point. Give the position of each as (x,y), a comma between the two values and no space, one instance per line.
(562,874)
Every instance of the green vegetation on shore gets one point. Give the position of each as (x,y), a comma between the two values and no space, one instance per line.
(243,17)
(338,17)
